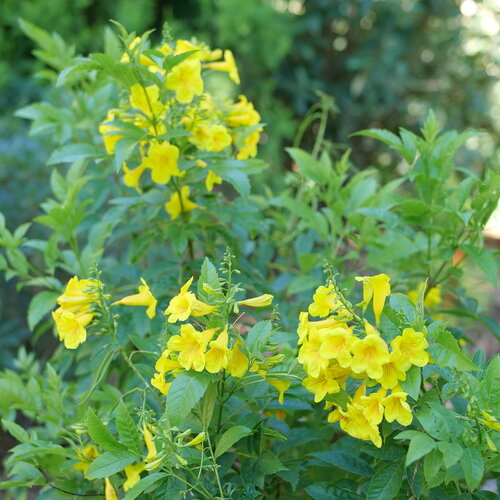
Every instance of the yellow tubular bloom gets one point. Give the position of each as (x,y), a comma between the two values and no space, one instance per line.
(185,79)
(132,176)
(324,300)
(86,455)
(146,100)
(249,147)
(150,444)
(217,357)
(218,139)
(143,298)
(111,134)
(109,491)
(228,65)
(432,299)
(162,159)
(191,345)
(242,114)
(260,301)
(378,288)
(281,386)
(238,361)
(392,372)
(409,349)
(211,179)
(337,344)
(322,385)
(369,354)
(186,304)
(396,408)
(133,473)
(310,356)
(178,205)
(160,383)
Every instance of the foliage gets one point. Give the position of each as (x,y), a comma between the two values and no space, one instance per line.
(169,375)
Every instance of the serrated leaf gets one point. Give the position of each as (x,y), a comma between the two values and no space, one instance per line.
(15,430)
(186,390)
(100,434)
(144,484)
(258,336)
(230,437)
(473,466)
(325,491)
(309,167)
(489,393)
(451,453)
(411,385)
(127,429)
(419,446)
(386,482)
(344,461)
(208,276)
(434,424)
(110,463)
(446,352)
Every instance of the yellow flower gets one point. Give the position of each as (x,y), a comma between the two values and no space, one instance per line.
(186,304)
(150,444)
(374,410)
(160,383)
(490,421)
(378,288)
(337,344)
(310,356)
(185,79)
(242,114)
(146,100)
(78,294)
(178,205)
(250,141)
(133,473)
(260,301)
(109,491)
(111,134)
(133,176)
(143,298)
(409,349)
(202,51)
(238,361)
(218,139)
(322,385)
(86,455)
(392,373)
(191,345)
(281,386)
(396,408)
(162,159)
(164,364)
(211,179)
(228,65)
(71,327)
(369,354)
(217,357)
(325,300)
(197,439)
(432,299)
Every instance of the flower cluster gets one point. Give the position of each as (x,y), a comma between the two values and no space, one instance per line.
(343,345)
(183,129)
(208,349)
(75,311)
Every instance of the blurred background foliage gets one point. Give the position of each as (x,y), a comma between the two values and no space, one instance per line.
(385,62)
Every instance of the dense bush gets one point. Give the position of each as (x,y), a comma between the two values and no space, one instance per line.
(196,332)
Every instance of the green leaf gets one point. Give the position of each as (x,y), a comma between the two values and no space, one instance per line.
(451,453)
(208,407)
(144,484)
(420,445)
(343,460)
(412,383)
(386,482)
(127,429)
(208,276)
(110,463)
(16,430)
(447,353)
(258,336)
(325,491)
(230,437)
(186,390)
(434,424)
(100,434)
(268,463)
(473,466)
(432,464)
(73,152)
(39,306)
(98,377)
(309,167)
(485,260)
(489,394)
